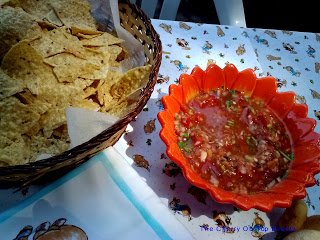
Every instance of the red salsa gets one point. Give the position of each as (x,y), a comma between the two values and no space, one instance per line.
(233,141)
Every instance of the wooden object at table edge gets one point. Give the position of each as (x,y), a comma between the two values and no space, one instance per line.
(135,21)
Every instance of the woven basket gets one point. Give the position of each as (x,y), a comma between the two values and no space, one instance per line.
(139,25)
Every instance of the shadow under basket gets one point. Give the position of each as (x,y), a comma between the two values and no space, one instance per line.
(135,21)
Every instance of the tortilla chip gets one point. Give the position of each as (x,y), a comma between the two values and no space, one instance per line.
(92,89)
(68,67)
(36,8)
(68,74)
(118,55)
(84,31)
(61,132)
(125,105)
(53,119)
(62,94)
(41,10)
(110,55)
(100,56)
(85,36)
(89,91)
(15,25)
(104,39)
(23,62)
(37,104)
(115,54)
(3,2)
(53,18)
(46,25)
(88,104)
(130,82)
(33,130)
(121,96)
(101,91)
(16,117)
(82,83)
(14,151)
(57,41)
(95,57)
(9,86)
(75,13)
(103,95)
(41,144)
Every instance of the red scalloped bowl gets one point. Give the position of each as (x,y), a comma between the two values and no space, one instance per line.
(306,142)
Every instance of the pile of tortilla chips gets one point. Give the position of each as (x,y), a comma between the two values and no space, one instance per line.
(52,57)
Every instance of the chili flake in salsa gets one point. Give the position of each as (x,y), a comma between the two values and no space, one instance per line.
(233,141)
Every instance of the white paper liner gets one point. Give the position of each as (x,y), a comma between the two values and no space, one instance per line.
(84,125)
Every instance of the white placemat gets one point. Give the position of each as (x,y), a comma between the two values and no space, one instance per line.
(102,199)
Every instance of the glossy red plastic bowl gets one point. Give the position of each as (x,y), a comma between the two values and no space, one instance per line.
(306,142)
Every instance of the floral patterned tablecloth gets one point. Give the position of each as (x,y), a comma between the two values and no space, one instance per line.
(292,57)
